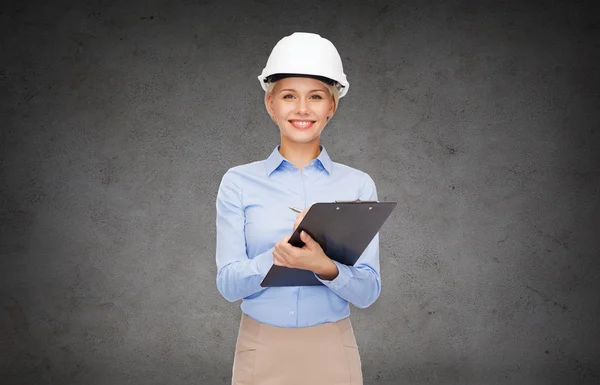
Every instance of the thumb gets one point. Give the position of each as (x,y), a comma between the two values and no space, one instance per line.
(306,238)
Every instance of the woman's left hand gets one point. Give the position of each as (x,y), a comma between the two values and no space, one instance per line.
(309,257)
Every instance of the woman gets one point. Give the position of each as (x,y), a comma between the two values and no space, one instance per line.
(294,335)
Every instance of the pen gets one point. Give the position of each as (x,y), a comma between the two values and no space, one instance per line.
(295,209)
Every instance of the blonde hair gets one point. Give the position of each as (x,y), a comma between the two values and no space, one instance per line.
(333,91)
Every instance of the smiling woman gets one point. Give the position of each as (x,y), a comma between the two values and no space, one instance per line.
(301,107)
(294,335)
(331,90)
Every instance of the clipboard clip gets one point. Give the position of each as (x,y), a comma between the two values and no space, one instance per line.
(356,201)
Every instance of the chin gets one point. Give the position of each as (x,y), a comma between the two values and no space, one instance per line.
(302,139)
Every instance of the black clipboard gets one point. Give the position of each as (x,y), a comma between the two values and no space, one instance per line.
(343,229)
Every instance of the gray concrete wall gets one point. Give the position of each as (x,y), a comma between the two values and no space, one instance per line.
(480,119)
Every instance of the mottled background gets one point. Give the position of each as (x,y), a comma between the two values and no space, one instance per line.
(118,120)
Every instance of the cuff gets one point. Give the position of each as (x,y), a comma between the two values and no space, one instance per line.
(344,275)
(264,262)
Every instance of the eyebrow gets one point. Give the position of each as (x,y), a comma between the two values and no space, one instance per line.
(315,90)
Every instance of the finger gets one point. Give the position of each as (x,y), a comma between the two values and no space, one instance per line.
(309,242)
(307,239)
(298,220)
(283,241)
(280,247)
(285,259)
(301,214)
(286,250)
(278,259)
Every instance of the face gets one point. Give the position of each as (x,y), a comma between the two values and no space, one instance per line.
(301,107)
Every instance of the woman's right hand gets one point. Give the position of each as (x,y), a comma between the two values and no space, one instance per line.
(299,218)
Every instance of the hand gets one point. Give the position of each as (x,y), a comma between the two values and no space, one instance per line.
(308,257)
(299,217)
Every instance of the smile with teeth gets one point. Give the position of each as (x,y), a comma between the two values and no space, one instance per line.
(302,124)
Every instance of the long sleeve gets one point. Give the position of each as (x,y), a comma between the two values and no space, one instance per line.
(237,275)
(360,284)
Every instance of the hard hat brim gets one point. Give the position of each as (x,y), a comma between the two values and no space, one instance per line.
(265,80)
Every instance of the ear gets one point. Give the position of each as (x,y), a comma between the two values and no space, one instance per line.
(332,108)
(269,103)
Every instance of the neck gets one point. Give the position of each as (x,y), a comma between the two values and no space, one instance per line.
(299,154)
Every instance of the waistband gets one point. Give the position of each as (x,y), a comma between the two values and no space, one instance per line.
(264,331)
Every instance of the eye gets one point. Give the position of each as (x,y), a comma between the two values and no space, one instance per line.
(316,97)
(288,96)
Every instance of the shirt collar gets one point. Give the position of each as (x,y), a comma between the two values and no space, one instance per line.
(275,159)
(325,160)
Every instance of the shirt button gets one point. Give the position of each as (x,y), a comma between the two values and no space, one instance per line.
(305,174)
(291,313)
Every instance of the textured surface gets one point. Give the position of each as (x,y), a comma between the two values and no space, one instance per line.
(119,119)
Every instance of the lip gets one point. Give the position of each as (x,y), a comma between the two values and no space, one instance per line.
(302,124)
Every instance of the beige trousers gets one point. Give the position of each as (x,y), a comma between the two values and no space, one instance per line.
(325,354)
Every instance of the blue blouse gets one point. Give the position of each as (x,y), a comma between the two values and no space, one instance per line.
(253,215)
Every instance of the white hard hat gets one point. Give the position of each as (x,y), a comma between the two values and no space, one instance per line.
(306,54)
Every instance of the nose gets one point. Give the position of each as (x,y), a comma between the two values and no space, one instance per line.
(302,107)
